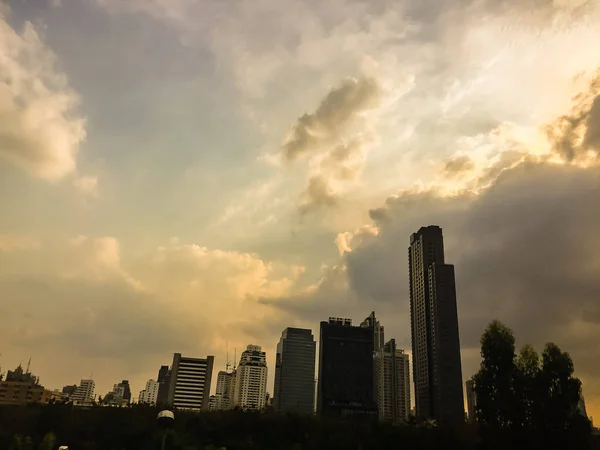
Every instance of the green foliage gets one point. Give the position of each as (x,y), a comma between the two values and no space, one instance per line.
(532,398)
(48,443)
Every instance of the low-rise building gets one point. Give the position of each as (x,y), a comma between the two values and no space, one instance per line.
(21,388)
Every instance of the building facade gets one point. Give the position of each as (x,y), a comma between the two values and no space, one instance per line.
(471,401)
(225,390)
(164,382)
(251,379)
(437,372)
(392,383)
(295,372)
(84,392)
(189,384)
(150,394)
(345,381)
(21,388)
(378,331)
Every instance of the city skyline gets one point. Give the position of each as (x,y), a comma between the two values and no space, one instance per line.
(196,176)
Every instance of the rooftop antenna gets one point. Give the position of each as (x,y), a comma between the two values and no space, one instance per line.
(227,361)
(28,365)
(234,357)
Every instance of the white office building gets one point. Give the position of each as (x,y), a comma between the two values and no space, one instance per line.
(392,383)
(189,386)
(84,392)
(251,379)
(225,391)
(150,393)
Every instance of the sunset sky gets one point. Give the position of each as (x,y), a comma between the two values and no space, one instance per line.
(196,175)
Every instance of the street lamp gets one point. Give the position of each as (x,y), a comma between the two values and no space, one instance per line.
(165,420)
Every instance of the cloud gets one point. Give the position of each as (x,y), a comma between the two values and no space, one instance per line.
(87,185)
(40,130)
(339,110)
(576,133)
(121,316)
(12,243)
(334,138)
(457,166)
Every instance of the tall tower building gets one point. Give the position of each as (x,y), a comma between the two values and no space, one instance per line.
(164,382)
(392,383)
(471,401)
(189,384)
(251,379)
(378,334)
(437,370)
(225,390)
(295,372)
(345,384)
(150,393)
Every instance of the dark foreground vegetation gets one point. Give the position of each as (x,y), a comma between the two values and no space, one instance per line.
(524,401)
(45,427)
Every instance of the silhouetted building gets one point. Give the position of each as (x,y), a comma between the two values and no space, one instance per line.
(163,380)
(189,386)
(123,391)
(345,369)
(378,332)
(434,326)
(295,372)
(21,388)
(251,379)
(392,383)
(67,392)
(471,401)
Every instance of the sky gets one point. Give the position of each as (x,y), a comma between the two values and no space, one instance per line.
(195,176)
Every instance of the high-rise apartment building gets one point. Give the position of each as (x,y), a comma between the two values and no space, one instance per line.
(378,332)
(84,392)
(164,382)
(225,390)
(189,386)
(437,371)
(295,372)
(21,387)
(150,394)
(471,401)
(392,383)
(345,383)
(251,379)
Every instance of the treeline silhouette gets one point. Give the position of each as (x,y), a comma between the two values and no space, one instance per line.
(524,401)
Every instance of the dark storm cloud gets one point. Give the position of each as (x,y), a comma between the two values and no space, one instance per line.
(328,123)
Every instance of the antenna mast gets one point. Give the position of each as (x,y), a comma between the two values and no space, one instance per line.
(28,364)
(234,357)
(227,361)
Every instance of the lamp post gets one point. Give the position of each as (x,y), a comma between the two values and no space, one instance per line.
(165,420)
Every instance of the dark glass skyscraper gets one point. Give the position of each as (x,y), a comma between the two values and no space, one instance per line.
(295,372)
(345,384)
(437,370)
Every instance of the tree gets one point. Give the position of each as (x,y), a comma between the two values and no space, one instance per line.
(527,385)
(48,442)
(561,391)
(495,382)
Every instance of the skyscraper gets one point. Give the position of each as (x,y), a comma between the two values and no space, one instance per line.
(434,326)
(225,390)
(251,379)
(471,401)
(378,332)
(164,381)
(392,383)
(295,372)
(345,385)
(189,385)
